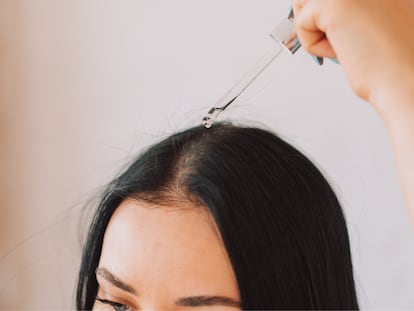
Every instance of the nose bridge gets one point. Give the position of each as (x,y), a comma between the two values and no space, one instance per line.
(157,296)
(156,305)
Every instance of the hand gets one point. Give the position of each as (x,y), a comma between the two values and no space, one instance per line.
(374,42)
(372,39)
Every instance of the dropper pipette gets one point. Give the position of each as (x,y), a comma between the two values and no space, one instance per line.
(285,36)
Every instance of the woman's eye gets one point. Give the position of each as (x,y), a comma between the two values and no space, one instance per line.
(115,305)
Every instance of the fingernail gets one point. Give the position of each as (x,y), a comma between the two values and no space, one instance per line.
(318,60)
(334,60)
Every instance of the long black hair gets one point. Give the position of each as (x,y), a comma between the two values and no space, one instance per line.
(281,223)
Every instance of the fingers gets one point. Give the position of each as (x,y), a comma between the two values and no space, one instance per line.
(309,30)
(297,5)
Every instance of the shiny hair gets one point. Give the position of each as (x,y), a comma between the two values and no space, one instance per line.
(280,221)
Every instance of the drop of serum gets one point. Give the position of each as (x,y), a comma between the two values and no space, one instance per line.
(207,122)
(211,116)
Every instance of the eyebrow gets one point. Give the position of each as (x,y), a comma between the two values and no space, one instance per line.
(114,280)
(204,301)
(195,301)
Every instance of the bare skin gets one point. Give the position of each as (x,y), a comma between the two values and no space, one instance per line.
(376,53)
(164,258)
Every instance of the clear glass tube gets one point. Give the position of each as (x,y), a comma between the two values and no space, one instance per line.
(241,85)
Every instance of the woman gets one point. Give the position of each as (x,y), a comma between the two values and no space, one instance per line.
(229,217)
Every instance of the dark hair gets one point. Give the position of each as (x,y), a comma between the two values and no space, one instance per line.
(280,221)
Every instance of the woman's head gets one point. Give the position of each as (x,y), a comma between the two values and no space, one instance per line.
(231,211)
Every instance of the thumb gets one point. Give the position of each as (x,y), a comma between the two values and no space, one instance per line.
(309,30)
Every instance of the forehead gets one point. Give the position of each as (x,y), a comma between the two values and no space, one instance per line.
(176,250)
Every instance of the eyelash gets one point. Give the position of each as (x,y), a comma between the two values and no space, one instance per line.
(115,305)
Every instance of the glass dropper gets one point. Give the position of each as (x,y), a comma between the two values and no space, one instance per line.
(285,36)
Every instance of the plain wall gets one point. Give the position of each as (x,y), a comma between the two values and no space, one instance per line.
(84,85)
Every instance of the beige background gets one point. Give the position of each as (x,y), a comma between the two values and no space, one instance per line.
(86,84)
